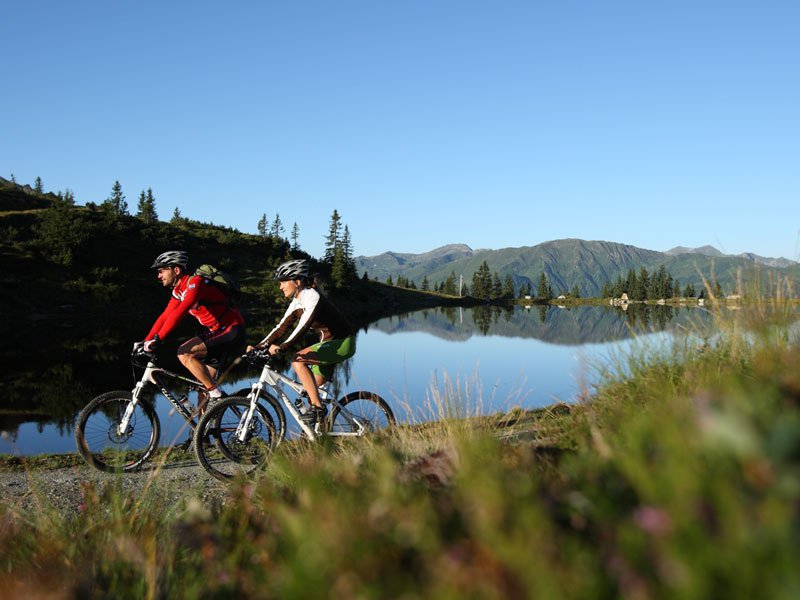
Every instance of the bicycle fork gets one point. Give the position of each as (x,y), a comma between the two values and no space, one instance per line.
(125,421)
(246,419)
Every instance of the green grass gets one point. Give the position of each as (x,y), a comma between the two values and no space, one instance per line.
(678,478)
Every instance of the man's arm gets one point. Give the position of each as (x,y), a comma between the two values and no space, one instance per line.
(175,311)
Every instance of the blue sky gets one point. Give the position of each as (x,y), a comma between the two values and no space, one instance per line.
(423,123)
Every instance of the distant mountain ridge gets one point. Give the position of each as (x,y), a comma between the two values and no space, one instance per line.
(569,262)
(711,251)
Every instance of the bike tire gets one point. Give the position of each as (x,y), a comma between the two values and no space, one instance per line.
(220,453)
(368,408)
(100,445)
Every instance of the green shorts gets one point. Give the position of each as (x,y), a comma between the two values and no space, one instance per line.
(330,353)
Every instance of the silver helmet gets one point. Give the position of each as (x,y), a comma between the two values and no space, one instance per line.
(292,269)
(171,258)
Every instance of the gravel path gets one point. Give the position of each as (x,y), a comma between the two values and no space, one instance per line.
(65,489)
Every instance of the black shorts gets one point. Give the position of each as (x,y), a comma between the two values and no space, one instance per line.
(223,344)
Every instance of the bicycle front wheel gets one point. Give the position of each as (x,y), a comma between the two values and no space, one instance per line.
(358,413)
(218,447)
(99,440)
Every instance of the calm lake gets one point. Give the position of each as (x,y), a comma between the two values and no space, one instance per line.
(482,360)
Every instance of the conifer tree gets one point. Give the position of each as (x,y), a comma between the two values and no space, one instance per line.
(146,208)
(497,287)
(482,282)
(332,239)
(543,290)
(37,186)
(295,237)
(508,287)
(425,286)
(276,229)
(630,283)
(347,254)
(151,205)
(642,288)
(116,202)
(449,285)
(262,226)
(177,219)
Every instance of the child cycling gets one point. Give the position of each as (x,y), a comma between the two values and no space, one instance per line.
(309,309)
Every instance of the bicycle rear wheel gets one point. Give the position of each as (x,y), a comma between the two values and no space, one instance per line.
(99,441)
(218,448)
(358,413)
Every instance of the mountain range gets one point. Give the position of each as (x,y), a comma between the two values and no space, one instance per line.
(587,264)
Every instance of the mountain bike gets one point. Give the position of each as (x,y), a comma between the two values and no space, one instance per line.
(249,427)
(120,430)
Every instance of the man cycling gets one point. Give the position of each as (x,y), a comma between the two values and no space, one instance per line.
(310,310)
(197,296)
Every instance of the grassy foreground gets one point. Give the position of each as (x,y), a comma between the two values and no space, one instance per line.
(679,479)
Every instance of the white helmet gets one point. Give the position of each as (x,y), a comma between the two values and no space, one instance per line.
(292,269)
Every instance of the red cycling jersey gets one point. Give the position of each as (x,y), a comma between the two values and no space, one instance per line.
(201,299)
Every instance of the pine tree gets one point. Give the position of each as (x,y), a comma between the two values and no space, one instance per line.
(151,205)
(543,290)
(146,208)
(425,286)
(508,287)
(642,288)
(497,287)
(450,285)
(482,282)
(347,254)
(332,240)
(177,219)
(339,277)
(276,229)
(262,225)
(295,237)
(141,206)
(630,283)
(37,186)
(116,202)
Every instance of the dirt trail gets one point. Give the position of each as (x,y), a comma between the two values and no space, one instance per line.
(65,489)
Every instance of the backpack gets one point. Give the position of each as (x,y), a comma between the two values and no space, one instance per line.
(221,280)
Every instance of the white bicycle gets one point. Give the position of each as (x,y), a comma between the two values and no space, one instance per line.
(238,433)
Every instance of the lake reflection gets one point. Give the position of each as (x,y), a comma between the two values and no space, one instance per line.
(426,364)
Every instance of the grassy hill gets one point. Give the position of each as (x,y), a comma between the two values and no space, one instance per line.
(73,266)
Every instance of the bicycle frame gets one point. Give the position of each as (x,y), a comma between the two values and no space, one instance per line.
(274,380)
(149,377)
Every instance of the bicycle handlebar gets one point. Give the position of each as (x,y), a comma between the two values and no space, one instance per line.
(257,354)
